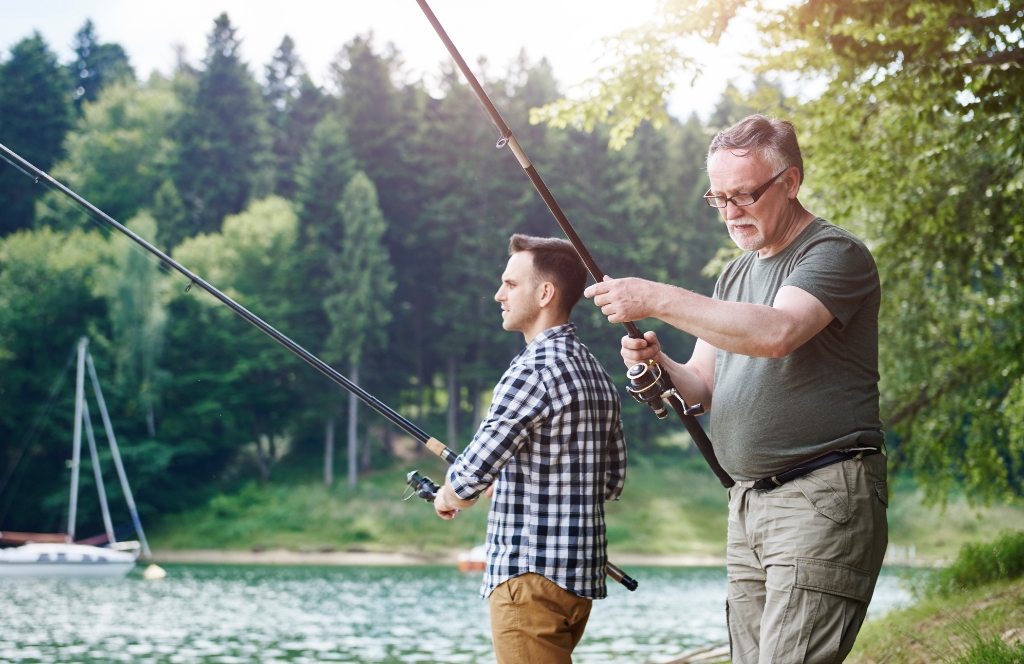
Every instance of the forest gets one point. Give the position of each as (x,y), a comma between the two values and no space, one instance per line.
(368,220)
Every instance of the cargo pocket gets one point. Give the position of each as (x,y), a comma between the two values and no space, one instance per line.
(826,490)
(833,579)
(882,489)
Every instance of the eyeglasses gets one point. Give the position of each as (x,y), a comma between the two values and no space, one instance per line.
(742,200)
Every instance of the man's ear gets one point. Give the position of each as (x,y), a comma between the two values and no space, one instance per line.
(548,294)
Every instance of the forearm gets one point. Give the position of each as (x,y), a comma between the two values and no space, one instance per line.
(689,381)
(736,327)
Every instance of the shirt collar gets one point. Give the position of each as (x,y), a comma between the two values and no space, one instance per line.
(567,330)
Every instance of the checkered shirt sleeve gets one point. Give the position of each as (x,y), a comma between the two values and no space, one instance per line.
(552,444)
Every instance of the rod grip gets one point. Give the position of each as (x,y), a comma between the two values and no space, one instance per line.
(616,574)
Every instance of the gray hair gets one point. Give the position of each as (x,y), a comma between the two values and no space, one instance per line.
(773,142)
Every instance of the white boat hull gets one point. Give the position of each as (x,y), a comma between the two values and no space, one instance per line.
(50,561)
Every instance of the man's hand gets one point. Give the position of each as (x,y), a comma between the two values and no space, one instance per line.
(640,350)
(623,300)
(447,503)
(444,509)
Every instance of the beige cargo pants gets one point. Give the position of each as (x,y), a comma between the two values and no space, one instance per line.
(802,563)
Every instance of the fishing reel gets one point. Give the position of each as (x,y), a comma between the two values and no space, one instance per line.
(421,486)
(650,384)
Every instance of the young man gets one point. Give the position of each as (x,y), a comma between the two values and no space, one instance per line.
(551,449)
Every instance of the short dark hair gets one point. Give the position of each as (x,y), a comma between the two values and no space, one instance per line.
(555,260)
(772,140)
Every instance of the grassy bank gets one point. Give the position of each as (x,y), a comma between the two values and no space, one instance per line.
(672,505)
(971,612)
(966,627)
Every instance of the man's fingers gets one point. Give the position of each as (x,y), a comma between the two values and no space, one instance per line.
(598,288)
(634,344)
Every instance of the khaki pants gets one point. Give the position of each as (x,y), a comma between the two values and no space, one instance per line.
(802,563)
(534,621)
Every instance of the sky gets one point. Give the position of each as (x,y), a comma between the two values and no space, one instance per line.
(566,32)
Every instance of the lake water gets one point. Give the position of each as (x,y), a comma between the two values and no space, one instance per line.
(208,613)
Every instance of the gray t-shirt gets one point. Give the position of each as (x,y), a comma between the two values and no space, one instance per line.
(769,414)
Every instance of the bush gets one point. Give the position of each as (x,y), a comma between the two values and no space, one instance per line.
(979,564)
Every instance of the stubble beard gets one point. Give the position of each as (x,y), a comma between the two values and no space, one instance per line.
(748,242)
(520,320)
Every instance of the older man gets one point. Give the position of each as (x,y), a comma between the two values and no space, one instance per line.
(787,361)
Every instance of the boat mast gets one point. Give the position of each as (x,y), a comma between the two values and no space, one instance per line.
(117,458)
(91,436)
(76,455)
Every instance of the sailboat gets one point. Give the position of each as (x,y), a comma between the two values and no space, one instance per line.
(48,555)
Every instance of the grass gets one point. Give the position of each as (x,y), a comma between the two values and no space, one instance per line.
(937,533)
(964,627)
(311,516)
(971,612)
(672,504)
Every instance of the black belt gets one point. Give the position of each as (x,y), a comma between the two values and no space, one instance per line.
(769,483)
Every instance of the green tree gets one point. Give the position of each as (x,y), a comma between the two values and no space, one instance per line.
(119,156)
(135,294)
(360,285)
(225,142)
(326,168)
(250,391)
(35,114)
(916,145)
(46,304)
(389,138)
(296,105)
(97,65)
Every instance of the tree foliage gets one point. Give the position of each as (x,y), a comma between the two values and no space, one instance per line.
(35,114)
(225,144)
(385,247)
(916,144)
(98,65)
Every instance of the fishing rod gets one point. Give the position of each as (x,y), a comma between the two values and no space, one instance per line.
(648,382)
(431,443)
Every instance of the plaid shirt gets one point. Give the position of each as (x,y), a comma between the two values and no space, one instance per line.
(553,440)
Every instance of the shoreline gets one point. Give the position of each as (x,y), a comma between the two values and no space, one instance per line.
(392,558)
(405,559)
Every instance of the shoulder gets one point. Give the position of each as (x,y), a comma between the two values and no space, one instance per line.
(825,240)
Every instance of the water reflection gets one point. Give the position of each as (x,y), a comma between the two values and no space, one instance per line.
(314,614)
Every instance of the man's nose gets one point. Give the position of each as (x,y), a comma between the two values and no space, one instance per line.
(732,211)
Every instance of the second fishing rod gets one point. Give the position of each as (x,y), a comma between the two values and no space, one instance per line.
(649,382)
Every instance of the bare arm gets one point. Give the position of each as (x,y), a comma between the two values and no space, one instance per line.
(737,327)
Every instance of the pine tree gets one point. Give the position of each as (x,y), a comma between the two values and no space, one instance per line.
(225,142)
(97,65)
(296,105)
(393,146)
(35,114)
(361,287)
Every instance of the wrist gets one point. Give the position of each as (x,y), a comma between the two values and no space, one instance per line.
(662,302)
